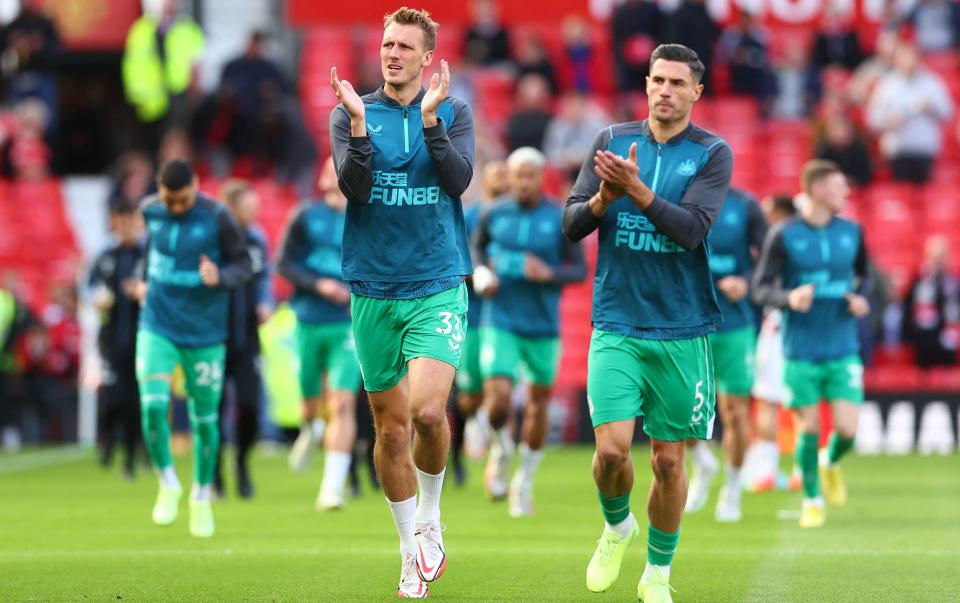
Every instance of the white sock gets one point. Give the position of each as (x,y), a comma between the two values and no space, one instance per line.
(771,454)
(663,569)
(702,455)
(428,509)
(201,493)
(733,476)
(168,477)
(404,516)
(505,440)
(529,461)
(317,428)
(623,528)
(336,465)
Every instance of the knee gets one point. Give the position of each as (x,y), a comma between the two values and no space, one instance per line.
(428,417)
(393,435)
(341,405)
(611,457)
(667,465)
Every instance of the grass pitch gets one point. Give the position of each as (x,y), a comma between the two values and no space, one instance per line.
(70,531)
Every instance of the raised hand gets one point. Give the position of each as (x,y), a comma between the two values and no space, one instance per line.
(436,93)
(348,96)
(209,273)
(617,172)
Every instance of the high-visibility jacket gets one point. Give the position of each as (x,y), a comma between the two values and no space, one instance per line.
(150,78)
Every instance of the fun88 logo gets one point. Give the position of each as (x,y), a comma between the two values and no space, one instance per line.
(391,189)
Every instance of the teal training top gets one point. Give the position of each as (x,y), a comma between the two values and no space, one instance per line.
(737,234)
(179,306)
(653,275)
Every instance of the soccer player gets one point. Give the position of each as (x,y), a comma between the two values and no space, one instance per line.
(763,475)
(653,189)
(469,382)
(113,284)
(735,239)
(404,156)
(521,242)
(195,254)
(310,259)
(250,306)
(814,268)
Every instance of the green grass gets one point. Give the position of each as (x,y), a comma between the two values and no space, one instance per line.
(70,531)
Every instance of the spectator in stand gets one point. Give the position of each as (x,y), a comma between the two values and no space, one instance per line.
(907,110)
(249,85)
(637,26)
(572,131)
(531,58)
(869,72)
(175,144)
(931,310)
(487,42)
(794,96)
(25,154)
(836,45)
(691,25)
(133,180)
(159,67)
(845,146)
(936,24)
(744,48)
(528,125)
(578,52)
(29,49)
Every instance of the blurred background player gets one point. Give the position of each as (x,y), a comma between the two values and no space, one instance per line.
(653,306)
(250,306)
(519,243)
(329,374)
(814,267)
(113,286)
(195,254)
(735,241)
(405,255)
(471,426)
(763,471)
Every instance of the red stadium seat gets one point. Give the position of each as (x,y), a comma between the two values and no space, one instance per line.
(895,378)
(943,379)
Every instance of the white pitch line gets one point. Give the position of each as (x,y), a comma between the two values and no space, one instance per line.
(28,461)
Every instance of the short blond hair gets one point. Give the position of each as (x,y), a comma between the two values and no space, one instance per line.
(411,16)
(234,189)
(816,170)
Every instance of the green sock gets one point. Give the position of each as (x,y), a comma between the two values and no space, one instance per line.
(204,419)
(615,509)
(807,459)
(661,546)
(154,402)
(838,446)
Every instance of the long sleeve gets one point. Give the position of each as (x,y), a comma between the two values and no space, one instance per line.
(574,267)
(689,222)
(291,243)
(757,228)
(861,269)
(352,157)
(481,238)
(578,219)
(767,289)
(453,151)
(263,273)
(237,268)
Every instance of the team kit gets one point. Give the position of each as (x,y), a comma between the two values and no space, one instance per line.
(400,289)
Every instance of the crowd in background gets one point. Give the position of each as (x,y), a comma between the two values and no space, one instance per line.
(874,107)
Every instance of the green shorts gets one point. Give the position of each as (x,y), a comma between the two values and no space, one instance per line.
(733,354)
(807,383)
(502,353)
(469,380)
(202,367)
(327,349)
(668,383)
(392,332)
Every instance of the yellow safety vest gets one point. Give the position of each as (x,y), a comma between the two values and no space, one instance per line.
(281,367)
(147,80)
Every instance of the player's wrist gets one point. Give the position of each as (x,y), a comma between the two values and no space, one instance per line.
(598,205)
(358,126)
(429,119)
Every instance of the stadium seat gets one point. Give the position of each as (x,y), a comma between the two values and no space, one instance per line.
(892,378)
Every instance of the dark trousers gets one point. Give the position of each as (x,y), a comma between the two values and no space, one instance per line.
(242,376)
(119,411)
(911,168)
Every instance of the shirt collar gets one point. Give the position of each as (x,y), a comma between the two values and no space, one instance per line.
(381,96)
(649,133)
